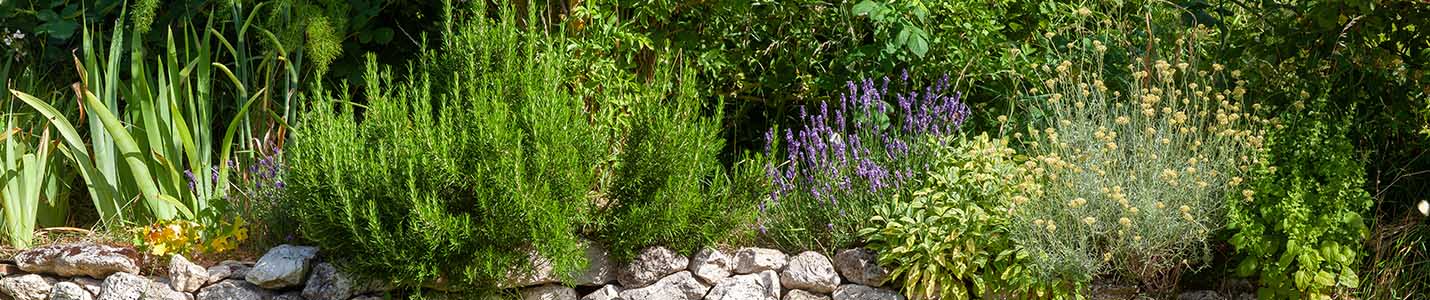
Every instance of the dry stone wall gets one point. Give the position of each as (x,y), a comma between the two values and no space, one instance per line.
(87,271)
(99,272)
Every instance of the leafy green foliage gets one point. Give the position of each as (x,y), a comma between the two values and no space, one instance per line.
(1298,223)
(670,187)
(23,185)
(899,24)
(1371,55)
(451,181)
(949,239)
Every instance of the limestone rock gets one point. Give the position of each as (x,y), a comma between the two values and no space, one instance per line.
(862,292)
(548,292)
(741,287)
(282,266)
(91,285)
(803,295)
(680,286)
(327,283)
(607,292)
(233,289)
(185,276)
(755,260)
(860,266)
(26,287)
(75,259)
(771,281)
(650,265)
(711,265)
(69,291)
(290,296)
(541,271)
(599,268)
(162,289)
(810,271)
(124,286)
(228,269)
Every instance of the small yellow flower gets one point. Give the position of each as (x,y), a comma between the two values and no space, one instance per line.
(1089,220)
(1052,227)
(1038,222)
(1247,193)
(1137,238)
(1185,209)
(1083,11)
(1002,119)
(1107,256)
(1125,222)
(1123,120)
(1134,210)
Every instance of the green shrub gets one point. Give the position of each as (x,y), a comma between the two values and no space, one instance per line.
(948,239)
(670,187)
(1136,165)
(453,180)
(1298,223)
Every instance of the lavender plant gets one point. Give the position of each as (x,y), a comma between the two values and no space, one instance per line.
(844,157)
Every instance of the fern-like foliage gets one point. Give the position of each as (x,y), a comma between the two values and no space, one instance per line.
(670,187)
(454,180)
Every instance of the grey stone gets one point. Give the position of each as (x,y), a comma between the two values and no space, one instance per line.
(282,266)
(771,281)
(741,287)
(607,292)
(124,286)
(328,283)
(91,285)
(548,292)
(810,271)
(234,289)
(862,292)
(228,269)
(26,287)
(541,271)
(755,260)
(860,266)
(599,268)
(711,265)
(803,295)
(185,276)
(680,286)
(87,259)
(290,296)
(1201,295)
(650,265)
(162,289)
(69,291)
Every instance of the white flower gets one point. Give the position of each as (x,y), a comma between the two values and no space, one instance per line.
(1424,208)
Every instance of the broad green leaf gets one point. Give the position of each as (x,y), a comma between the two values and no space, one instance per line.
(865,7)
(1325,278)
(918,43)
